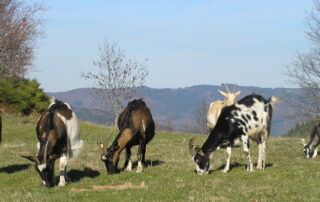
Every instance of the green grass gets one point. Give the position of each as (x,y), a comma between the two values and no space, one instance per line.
(288,177)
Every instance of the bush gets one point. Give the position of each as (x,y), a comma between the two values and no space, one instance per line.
(303,129)
(25,96)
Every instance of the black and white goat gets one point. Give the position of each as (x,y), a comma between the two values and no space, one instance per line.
(311,149)
(250,118)
(58,136)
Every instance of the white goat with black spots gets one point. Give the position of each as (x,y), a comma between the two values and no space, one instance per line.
(248,118)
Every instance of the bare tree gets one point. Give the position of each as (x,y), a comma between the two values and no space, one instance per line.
(165,126)
(201,117)
(119,77)
(20,25)
(305,71)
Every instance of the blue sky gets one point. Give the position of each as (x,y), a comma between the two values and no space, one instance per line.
(247,42)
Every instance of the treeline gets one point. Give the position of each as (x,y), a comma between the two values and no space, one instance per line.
(23,96)
(303,129)
(20,27)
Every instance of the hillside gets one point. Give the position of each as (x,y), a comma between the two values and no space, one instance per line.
(170,175)
(177,107)
(303,129)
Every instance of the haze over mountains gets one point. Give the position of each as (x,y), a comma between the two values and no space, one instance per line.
(176,109)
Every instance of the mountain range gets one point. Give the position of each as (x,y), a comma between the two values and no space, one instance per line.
(177,109)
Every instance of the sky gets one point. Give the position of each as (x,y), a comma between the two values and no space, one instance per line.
(186,42)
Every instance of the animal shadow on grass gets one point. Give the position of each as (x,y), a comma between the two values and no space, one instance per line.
(232,165)
(14,168)
(268,165)
(77,175)
(149,163)
(235,165)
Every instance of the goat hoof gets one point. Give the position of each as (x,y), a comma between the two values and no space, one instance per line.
(225,170)
(61,184)
(139,170)
(261,166)
(128,169)
(249,168)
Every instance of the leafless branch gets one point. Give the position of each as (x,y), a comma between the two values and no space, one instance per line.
(20,26)
(118,77)
(305,72)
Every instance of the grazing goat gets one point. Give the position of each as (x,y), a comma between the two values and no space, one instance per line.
(248,118)
(216,107)
(310,149)
(58,136)
(136,127)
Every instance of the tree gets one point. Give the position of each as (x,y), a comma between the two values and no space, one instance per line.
(20,25)
(201,117)
(305,71)
(23,96)
(118,78)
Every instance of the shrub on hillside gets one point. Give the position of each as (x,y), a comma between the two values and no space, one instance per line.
(25,96)
(303,129)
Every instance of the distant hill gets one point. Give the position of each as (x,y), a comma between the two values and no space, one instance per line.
(175,108)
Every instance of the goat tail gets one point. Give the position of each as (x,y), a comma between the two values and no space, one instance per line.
(75,149)
(52,99)
(274,100)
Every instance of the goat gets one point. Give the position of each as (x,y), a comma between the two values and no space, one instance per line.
(310,149)
(58,136)
(248,118)
(216,107)
(136,127)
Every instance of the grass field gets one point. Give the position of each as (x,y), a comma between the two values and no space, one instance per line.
(170,175)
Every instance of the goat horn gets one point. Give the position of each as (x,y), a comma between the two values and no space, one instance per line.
(109,137)
(31,158)
(234,88)
(192,147)
(101,146)
(227,88)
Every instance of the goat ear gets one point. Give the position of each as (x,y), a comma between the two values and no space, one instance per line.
(223,93)
(237,93)
(31,158)
(101,146)
(192,147)
(303,142)
(198,149)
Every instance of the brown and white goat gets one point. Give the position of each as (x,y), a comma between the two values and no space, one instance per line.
(216,107)
(58,136)
(136,127)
